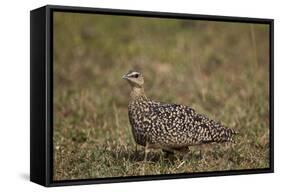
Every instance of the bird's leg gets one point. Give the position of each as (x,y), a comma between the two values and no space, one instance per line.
(146,151)
(183,151)
(136,152)
(136,149)
(168,153)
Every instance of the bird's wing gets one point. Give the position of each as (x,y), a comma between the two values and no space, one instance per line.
(172,117)
(186,122)
(208,130)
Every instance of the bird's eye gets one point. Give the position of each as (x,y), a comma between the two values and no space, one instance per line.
(136,75)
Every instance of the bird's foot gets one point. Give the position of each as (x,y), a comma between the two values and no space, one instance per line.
(185,157)
(168,153)
(184,153)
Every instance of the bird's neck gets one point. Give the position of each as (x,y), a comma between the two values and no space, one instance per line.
(137,92)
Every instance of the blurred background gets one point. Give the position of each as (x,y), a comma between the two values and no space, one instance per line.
(218,68)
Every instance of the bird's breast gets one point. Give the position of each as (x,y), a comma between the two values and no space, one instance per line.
(140,123)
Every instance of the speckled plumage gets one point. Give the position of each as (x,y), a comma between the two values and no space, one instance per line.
(169,126)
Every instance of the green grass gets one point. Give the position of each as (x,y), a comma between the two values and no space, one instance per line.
(218,68)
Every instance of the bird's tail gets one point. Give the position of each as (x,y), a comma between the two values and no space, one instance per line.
(225,135)
(231,135)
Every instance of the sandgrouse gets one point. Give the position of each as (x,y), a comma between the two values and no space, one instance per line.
(170,127)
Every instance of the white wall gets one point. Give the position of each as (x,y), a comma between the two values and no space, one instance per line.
(14,94)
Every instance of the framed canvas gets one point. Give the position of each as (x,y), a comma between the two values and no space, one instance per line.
(125,95)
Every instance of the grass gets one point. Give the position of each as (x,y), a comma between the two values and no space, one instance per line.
(218,68)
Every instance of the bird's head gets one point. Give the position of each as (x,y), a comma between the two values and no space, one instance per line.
(134,78)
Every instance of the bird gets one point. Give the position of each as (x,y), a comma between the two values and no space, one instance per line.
(170,127)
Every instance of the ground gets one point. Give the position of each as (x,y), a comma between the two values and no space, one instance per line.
(220,69)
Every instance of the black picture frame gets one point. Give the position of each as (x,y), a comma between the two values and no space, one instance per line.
(41,93)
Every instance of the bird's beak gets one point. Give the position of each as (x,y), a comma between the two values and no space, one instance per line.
(124,77)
